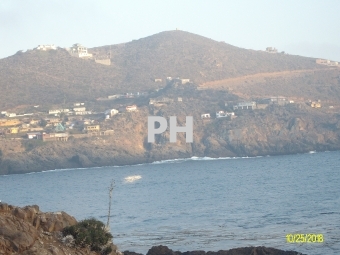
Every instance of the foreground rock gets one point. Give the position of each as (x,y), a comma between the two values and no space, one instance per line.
(164,250)
(29,231)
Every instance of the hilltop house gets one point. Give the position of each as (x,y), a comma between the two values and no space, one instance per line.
(271,50)
(80,51)
(46,47)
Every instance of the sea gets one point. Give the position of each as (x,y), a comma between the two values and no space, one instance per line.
(199,203)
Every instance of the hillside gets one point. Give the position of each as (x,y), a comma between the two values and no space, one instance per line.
(37,77)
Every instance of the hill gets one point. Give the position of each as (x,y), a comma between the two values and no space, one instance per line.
(38,77)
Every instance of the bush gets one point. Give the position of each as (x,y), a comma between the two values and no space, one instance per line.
(89,233)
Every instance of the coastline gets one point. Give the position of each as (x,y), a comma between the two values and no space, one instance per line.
(169,161)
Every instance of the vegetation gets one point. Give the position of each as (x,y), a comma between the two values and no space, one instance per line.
(32,144)
(50,77)
(90,233)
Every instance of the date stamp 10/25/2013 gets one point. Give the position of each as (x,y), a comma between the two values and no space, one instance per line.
(305,238)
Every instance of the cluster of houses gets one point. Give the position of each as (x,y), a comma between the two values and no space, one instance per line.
(248,105)
(77,50)
(50,127)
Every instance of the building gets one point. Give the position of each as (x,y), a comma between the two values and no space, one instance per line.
(79,109)
(92,128)
(326,62)
(131,108)
(80,51)
(271,50)
(46,47)
(11,115)
(315,104)
(185,81)
(158,80)
(13,130)
(8,123)
(33,135)
(54,112)
(245,106)
(53,137)
(205,116)
(161,101)
(223,114)
(111,112)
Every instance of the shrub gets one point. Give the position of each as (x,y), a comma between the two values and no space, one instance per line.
(89,233)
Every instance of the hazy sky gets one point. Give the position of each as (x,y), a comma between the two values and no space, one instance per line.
(304,27)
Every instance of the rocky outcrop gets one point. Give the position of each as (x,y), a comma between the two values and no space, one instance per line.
(29,231)
(164,250)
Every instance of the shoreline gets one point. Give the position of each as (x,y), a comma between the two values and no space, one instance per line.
(169,161)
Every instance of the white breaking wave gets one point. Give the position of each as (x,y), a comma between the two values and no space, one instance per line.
(132,178)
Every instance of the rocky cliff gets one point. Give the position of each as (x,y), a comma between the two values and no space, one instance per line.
(273,131)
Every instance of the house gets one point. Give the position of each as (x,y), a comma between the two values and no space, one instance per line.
(111,112)
(54,111)
(83,112)
(13,130)
(79,109)
(179,99)
(185,81)
(271,50)
(131,108)
(8,123)
(315,104)
(33,135)
(245,105)
(160,101)
(11,115)
(53,137)
(92,128)
(223,114)
(326,62)
(158,80)
(80,51)
(205,116)
(46,47)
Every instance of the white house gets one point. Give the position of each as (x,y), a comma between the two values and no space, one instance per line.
(79,109)
(111,112)
(205,116)
(131,108)
(45,47)
(223,114)
(79,51)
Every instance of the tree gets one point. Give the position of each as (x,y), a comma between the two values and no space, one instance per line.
(43,123)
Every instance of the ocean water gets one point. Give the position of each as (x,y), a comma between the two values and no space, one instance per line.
(199,203)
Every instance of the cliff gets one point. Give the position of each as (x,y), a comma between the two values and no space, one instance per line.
(276,130)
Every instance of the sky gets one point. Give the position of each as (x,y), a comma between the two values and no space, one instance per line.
(305,27)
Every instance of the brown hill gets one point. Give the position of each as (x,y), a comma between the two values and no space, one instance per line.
(36,77)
